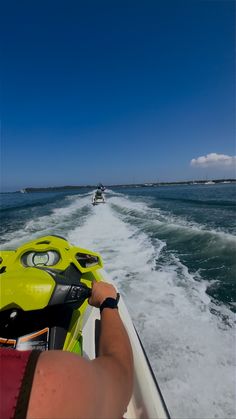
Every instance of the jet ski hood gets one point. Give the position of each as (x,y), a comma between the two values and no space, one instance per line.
(43,272)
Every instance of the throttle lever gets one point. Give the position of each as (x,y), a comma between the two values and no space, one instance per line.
(80,293)
(87,292)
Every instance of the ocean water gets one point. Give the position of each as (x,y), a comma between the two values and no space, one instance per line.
(172,253)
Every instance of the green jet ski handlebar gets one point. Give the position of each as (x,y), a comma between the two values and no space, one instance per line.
(45,272)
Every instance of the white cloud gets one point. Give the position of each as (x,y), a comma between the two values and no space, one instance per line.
(214,159)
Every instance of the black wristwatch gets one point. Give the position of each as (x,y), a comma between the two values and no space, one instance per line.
(109,303)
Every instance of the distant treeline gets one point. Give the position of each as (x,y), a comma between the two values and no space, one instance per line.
(155,184)
(54,188)
(130,185)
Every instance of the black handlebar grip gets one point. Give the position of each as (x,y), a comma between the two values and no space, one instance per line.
(87,292)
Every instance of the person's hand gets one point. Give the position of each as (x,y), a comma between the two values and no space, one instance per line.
(101,291)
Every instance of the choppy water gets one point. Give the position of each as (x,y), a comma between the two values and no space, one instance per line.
(171,252)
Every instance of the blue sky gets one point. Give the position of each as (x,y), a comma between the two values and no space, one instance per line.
(116,91)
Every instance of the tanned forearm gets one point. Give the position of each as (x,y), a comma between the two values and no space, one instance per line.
(114,346)
(114,340)
(114,365)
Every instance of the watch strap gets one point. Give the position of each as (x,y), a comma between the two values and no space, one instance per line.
(109,303)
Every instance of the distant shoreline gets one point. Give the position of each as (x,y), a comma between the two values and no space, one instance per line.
(129,185)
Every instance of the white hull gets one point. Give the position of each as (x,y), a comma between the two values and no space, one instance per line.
(96,201)
(146,401)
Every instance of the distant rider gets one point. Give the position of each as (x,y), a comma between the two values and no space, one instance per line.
(99,193)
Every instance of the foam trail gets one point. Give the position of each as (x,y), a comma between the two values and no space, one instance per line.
(191,350)
(169,221)
(48,224)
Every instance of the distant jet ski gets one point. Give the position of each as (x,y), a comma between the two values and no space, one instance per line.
(98,198)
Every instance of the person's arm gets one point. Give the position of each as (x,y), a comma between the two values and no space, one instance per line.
(115,359)
(68,386)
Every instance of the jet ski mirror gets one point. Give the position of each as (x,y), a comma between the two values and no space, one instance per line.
(86,260)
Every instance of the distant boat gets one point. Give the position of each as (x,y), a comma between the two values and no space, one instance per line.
(23,191)
(210,182)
